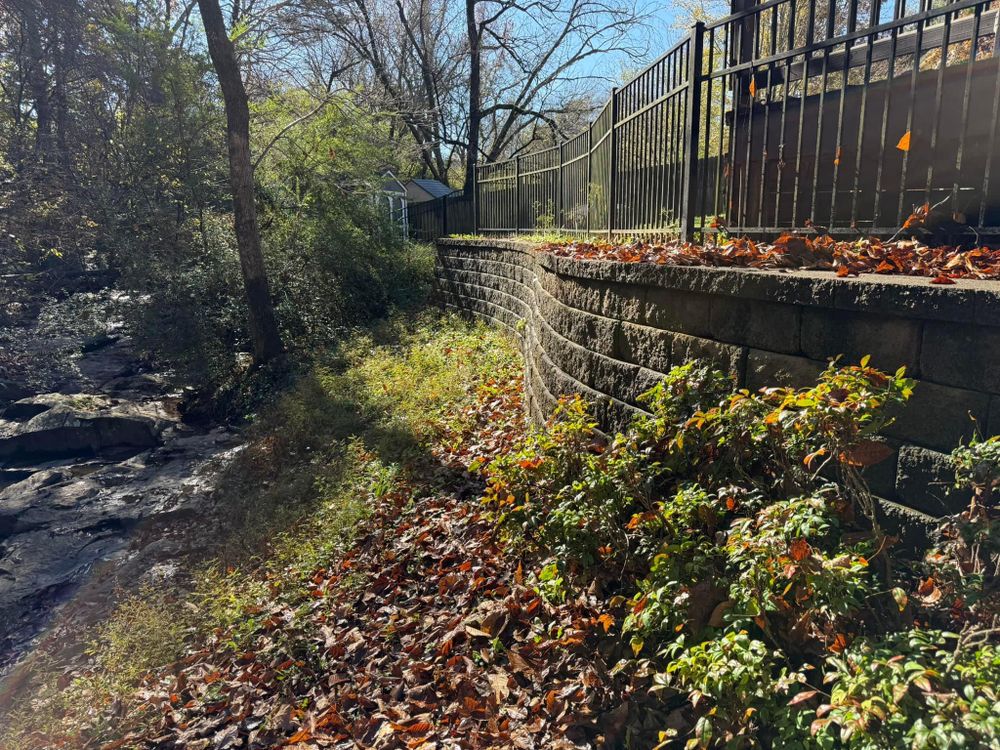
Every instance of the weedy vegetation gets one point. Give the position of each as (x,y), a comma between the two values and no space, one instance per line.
(713,576)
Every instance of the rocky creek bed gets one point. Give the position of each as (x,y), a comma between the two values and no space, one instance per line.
(101,481)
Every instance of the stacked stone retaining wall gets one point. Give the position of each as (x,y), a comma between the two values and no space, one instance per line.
(610,330)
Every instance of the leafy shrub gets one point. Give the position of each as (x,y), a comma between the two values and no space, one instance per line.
(791,573)
(748,563)
(915,689)
(555,490)
(746,682)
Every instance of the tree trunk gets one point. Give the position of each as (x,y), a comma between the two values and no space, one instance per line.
(263,324)
(475,97)
(37,80)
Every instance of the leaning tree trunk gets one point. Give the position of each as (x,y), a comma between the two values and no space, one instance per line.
(263,324)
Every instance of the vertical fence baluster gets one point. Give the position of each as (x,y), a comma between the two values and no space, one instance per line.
(612,137)
(517,195)
(690,174)
(991,153)
(590,156)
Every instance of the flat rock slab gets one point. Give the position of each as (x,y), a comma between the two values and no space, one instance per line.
(79,425)
(59,522)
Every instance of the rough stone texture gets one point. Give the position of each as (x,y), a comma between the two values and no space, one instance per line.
(768,368)
(726,357)
(677,310)
(891,342)
(609,331)
(925,480)
(992,426)
(766,325)
(962,355)
(940,417)
(643,345)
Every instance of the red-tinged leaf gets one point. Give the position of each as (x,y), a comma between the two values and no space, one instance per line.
(419,727)
(929,592)
(802,697)
(942,279)
(303,735)
(818,726)
(800,550)
(867,453)
(839,643)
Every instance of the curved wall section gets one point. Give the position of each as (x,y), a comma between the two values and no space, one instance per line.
(610,330)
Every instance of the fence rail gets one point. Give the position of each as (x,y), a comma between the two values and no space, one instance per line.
(843,113)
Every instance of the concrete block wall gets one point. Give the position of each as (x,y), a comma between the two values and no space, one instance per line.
(610,330)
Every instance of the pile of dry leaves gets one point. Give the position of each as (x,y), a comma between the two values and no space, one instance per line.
(909,257)
(426,634)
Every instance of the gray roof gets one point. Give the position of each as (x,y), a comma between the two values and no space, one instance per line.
(434,187)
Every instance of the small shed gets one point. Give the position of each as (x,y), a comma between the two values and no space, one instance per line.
(421,190)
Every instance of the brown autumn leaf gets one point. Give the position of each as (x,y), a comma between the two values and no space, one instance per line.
(500,684)
(942,279)
(866,453)
(929,592)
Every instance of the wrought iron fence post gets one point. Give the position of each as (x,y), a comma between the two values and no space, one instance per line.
(559,191)
(590,144)
(444,216)
(517,195)
(475,199)
(693,122)
(612,162)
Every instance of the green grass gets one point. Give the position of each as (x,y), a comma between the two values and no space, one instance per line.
(318,460)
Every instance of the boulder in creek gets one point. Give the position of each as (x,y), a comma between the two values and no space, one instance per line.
(11,391)
(81,425)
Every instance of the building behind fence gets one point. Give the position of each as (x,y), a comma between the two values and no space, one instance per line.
(845,114)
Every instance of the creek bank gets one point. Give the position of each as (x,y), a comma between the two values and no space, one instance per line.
(101,480)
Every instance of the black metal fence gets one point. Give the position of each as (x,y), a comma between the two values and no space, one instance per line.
(842,113)
(450,214)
